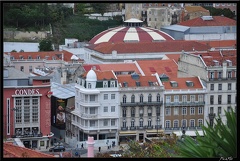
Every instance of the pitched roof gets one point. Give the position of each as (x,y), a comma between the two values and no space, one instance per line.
(143,81)
(116,67)
(190,9)
(13,151)
(173,57)
(148,47)
(44,55)
(216,21)
(168,67)
(210,57)
(102,75)
(221,43)
(182,83)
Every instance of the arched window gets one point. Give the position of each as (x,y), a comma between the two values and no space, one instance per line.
(124,123)
(141,98)
(149,122)
(133,99)
(132,122)
(124,98)
(124,112)
(149,98)
(141,122)
(89,85)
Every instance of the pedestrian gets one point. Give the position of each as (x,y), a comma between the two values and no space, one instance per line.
(82,146)
(99,149)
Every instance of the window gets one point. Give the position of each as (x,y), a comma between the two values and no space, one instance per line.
(168,123)
(124,112)
(219,75)
(149,19)
(41,143)
(112,84)
(229,74)
(124,123)
(141,122)
(200,110)
(158,111)
(158,97)
(175,123)
(124,98)
(192,98)
(229,99)
(211,100)
(212,87)
(92,98)
(229,86)
(112,108)
(132,122)
(184,98)
(168,111)
(141,112)
(211,75)
(92,110)
(105,122)
(141,98)
(149,122)
(192,111)
(26,110)
(229,109)
(105,96)
(219,99)
(184,111)
(192,123)
(149,111)
(184,123)
(105,109)
(89,85)
(168,99)
(219,110)
(175,112)
(132,99)
(133,112)
(105,84)
(176,98)
(30,68)
(200,122)
(22,68)
(219,86)
(112,96)
(112,122)
(211,110)
(149,98)
(200,98)
(92,123)
(35,105)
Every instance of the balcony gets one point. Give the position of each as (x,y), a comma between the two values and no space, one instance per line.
(124,128)
(140,127)
(134,104)
(133,128)
(158,126)
(148,127)
(185,104)
(211,115)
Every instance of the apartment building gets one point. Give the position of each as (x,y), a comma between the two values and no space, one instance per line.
(217,70)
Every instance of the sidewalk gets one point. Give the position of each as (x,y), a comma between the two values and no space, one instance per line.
(104,150)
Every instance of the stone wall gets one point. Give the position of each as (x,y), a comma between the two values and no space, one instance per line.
(19,35)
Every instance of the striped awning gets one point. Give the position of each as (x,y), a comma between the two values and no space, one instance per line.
(154,131)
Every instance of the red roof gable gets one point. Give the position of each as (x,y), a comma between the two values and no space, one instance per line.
(182,83)
(217,21)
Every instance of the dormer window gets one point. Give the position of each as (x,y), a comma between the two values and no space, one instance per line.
(12,58)
(138,84)
(174,83)
(38,57)
(29,57)
(105,84)
(216,63)
(21,57)
(189,83)
(150,83)
(112,84)
(53,58)
(229,62)
(125,84)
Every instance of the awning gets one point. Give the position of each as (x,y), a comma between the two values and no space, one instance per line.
(128,133)
(154,131)
(189,133)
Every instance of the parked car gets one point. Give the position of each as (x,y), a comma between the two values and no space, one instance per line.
(57,148)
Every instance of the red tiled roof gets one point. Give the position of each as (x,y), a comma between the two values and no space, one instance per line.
(102,75)
(117,67)
(215,55)
(144,80)
(221,43)
(217,21)
(174,57)
(182,83)
(190,9)
(57,54)
(13,151)
(168,67)
(149,47)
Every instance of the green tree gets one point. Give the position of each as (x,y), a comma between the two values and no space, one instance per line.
(218,141)
(100,7)
(219,12)
(45,45)
(80,8)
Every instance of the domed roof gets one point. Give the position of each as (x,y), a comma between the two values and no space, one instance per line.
(131,32)
(91,76)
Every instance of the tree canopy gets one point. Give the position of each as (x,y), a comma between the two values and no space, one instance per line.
(45,45)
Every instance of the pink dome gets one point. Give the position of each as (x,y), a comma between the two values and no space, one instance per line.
(132,32)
